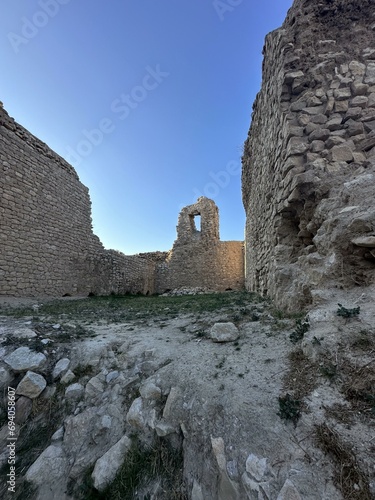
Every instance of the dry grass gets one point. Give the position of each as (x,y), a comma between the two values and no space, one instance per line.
(301,378)
(348,477)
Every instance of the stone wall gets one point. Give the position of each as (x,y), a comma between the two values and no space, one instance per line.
(198,257)
(47,246)
(309,160)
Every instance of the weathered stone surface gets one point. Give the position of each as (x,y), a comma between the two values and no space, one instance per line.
(107,466)
(32,385)
(364,241)
(61,368)
(94,387)
(51,465)
(341,153)
(68,377)
(74,391)
(134,416)
(5,377)
(24,406)
(224,332)
(23,359)
(150,391)
(289,492)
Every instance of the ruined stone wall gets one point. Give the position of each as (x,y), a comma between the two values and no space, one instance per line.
(198,257)
(309,161)
(47,247)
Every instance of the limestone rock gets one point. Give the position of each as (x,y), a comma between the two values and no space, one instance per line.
(68,377)
(51,465)
(341,153)
(60,368)
(94,387)
(24,407)
(196,493)
(224,332)
(23,359)
(150,391)
(74,392)
(31,385)
(5,377)
(288,492)
(257,467)
(134,416)
(110,377)
(58,435)
(164,429)
(364,241)
(106,467)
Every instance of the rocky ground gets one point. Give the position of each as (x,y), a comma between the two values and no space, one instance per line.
(203,397)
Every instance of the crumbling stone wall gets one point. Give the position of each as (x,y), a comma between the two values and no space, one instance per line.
(309,160)
(47,246)
(198,257)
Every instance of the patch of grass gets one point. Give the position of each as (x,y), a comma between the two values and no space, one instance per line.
(116,308)
(159,463)
(348,477)
(289,408)
(348,313)
(301,328)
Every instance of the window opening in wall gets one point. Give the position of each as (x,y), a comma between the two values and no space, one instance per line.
(197,221)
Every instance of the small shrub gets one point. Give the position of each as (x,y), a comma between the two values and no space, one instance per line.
(347,313)
(290,409)
(301,328)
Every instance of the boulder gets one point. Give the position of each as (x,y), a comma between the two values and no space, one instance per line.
(74,391)
(60,368)
(224,332)
(107,466)
(31,385)
(23,359)
(50,465)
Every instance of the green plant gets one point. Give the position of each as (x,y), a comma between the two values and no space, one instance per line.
(289,408)
(347,313)
(301,328)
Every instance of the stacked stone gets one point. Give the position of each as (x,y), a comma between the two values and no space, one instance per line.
(312,133)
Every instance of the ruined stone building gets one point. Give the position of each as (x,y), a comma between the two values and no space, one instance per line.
(308,185)
(47,246)
(309,162)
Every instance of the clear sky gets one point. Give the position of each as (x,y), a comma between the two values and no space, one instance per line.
(149,100)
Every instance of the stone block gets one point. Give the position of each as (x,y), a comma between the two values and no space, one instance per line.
(341,153)
(32,385)
(23,359)
(224,332)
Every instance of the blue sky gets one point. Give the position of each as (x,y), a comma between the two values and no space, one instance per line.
(149,100)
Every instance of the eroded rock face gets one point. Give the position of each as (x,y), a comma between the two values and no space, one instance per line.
(309,160)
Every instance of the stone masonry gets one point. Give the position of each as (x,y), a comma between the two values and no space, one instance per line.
(309,161)
(47,246)
(199,258)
